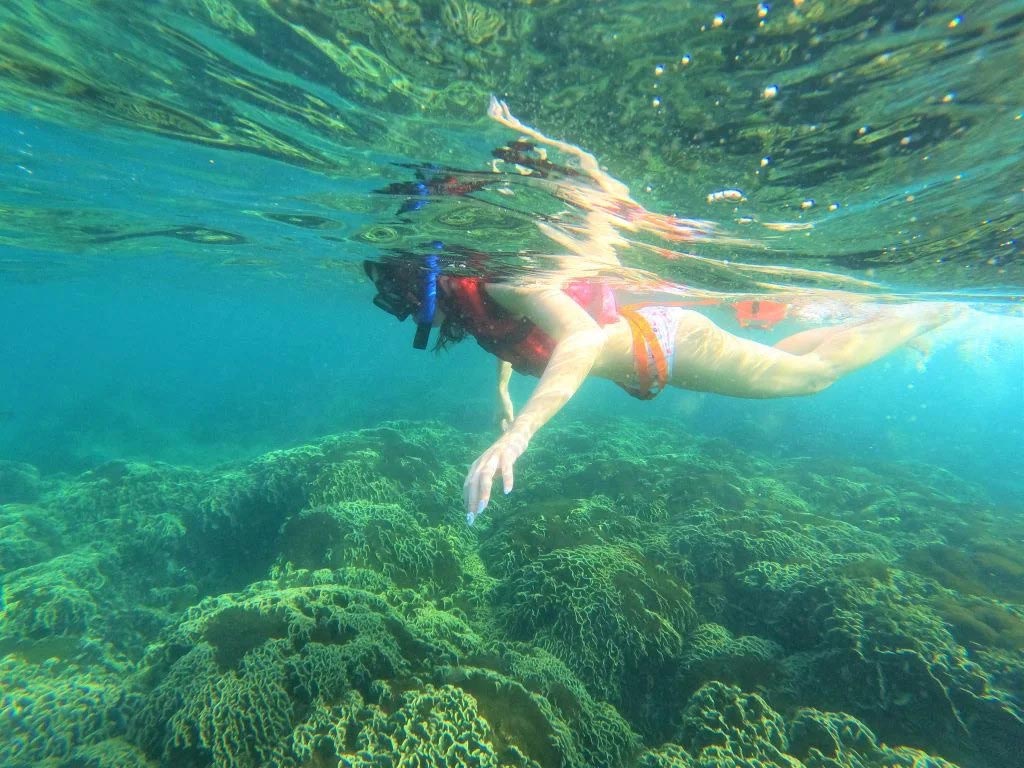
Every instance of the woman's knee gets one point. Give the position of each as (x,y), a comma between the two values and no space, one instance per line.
(806,375)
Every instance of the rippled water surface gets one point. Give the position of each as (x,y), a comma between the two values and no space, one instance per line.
(248,133)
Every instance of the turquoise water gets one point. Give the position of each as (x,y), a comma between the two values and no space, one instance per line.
(230,491)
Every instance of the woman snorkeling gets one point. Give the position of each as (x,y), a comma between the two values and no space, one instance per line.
(570,323)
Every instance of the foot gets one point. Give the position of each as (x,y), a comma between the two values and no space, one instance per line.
(931,315)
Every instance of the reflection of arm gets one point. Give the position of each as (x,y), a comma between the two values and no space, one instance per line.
(578,342)
(499,111)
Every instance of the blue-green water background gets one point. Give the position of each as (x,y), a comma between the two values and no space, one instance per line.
(177,362)
(158,350)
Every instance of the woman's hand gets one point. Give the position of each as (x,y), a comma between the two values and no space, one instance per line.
(500,457)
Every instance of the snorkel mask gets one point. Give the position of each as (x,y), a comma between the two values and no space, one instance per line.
(408,288)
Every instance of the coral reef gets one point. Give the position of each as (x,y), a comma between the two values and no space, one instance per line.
(19,482)
(869,646)
(835,740)
(27,535)
(53,711)
(697,607)
(712,653)
(329,660)
(722,726)
(472,21)
(435,726)
(57,598)
(383,537)
(616,620)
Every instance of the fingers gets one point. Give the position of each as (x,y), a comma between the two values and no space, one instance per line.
(494,108)
(476,491)
(498,110)
(506,472)
(506,411)
(500,457)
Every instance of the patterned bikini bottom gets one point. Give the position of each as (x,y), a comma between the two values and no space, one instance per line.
(654,346)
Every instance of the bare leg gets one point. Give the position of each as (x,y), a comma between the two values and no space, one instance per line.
(711,359)
(598,247)
(853,346)
(805,341)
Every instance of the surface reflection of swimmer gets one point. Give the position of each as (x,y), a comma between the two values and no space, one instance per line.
(568,324)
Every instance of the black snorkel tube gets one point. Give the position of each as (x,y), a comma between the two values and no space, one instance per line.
(428,297)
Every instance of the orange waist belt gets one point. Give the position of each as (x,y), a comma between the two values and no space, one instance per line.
(646,348)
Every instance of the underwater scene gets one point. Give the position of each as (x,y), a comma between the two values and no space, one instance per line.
(511,384)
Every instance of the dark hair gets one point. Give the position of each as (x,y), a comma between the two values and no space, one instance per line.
(452,329)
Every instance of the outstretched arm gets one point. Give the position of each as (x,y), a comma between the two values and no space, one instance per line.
(579,342)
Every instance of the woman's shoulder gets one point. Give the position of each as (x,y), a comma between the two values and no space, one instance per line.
(523,294)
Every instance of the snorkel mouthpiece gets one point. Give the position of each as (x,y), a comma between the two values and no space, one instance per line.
(428,297)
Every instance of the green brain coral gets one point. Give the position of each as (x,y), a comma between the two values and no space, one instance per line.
(344,665)
(877,649)
(57,598)
(712,653)
(429,727)
(383,537)
(724,727)
(51,711)
(236,674)
(615,619)
(838,740)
